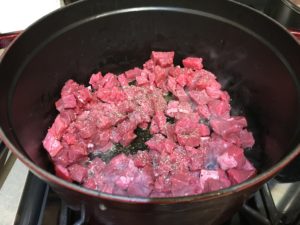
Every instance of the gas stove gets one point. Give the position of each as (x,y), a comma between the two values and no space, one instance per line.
(276,203)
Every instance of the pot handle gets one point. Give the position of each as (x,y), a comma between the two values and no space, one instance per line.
(82,219)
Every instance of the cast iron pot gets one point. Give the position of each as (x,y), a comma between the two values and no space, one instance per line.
(254,58)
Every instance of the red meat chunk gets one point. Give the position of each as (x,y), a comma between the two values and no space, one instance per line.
(232,158)
(200,97)
(77,172)
(95,80)
(132,74)
(62,172)
(143,182)
(193,63)
(51,144)
(238,175)
(224,127)
(163,59)
(195,145)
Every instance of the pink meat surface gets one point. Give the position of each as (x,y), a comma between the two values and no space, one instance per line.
(194,145)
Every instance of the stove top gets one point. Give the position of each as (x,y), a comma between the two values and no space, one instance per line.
(276,203)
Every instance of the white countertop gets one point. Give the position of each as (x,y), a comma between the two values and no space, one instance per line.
(16,15)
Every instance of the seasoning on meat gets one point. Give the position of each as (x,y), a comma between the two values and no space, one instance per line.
(159,131)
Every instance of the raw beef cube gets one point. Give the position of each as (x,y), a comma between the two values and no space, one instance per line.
(149,65)
(51,144)
(69,138)
(238,175)
(203,111)
(62,158)
(90,183)
(162,185)
(175,71)
(142,159)
(83,95)
(246,139)
(172,108)
(58,127)
(181,94)
(96,166)
(142,184)
(193,63)
(171,84)
(160,120)
(154,129)
(188,132)
(219,108)
(232,158)
(212,180)
(160,75)
(181,79)
(183,184)
(109,80)
(218,145)
(170,132)
(69,88)
(77,172)
(214,93)
(127,138)
(208,174)
(123,80)
(143,125)
(155,142)
(76,153)
(225,127)
(163,59)
(68,101)
(203,130)
(95,80)
(248,166)
(196,158)
(62,172)
(132,74)
(200,97)
(142,79)
(111,95)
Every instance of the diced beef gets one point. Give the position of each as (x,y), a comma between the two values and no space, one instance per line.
(108,81)
(132,74)
(224,127)
(232,158)
(142,184)
(183,184)
(219,108)
(51,144)
(200,97)
(193,63)
(192,144)
(68,101)
(62,172)
(77,172)
(111,95)
(238,175)
(163,59)
(123,80)
(95,80)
